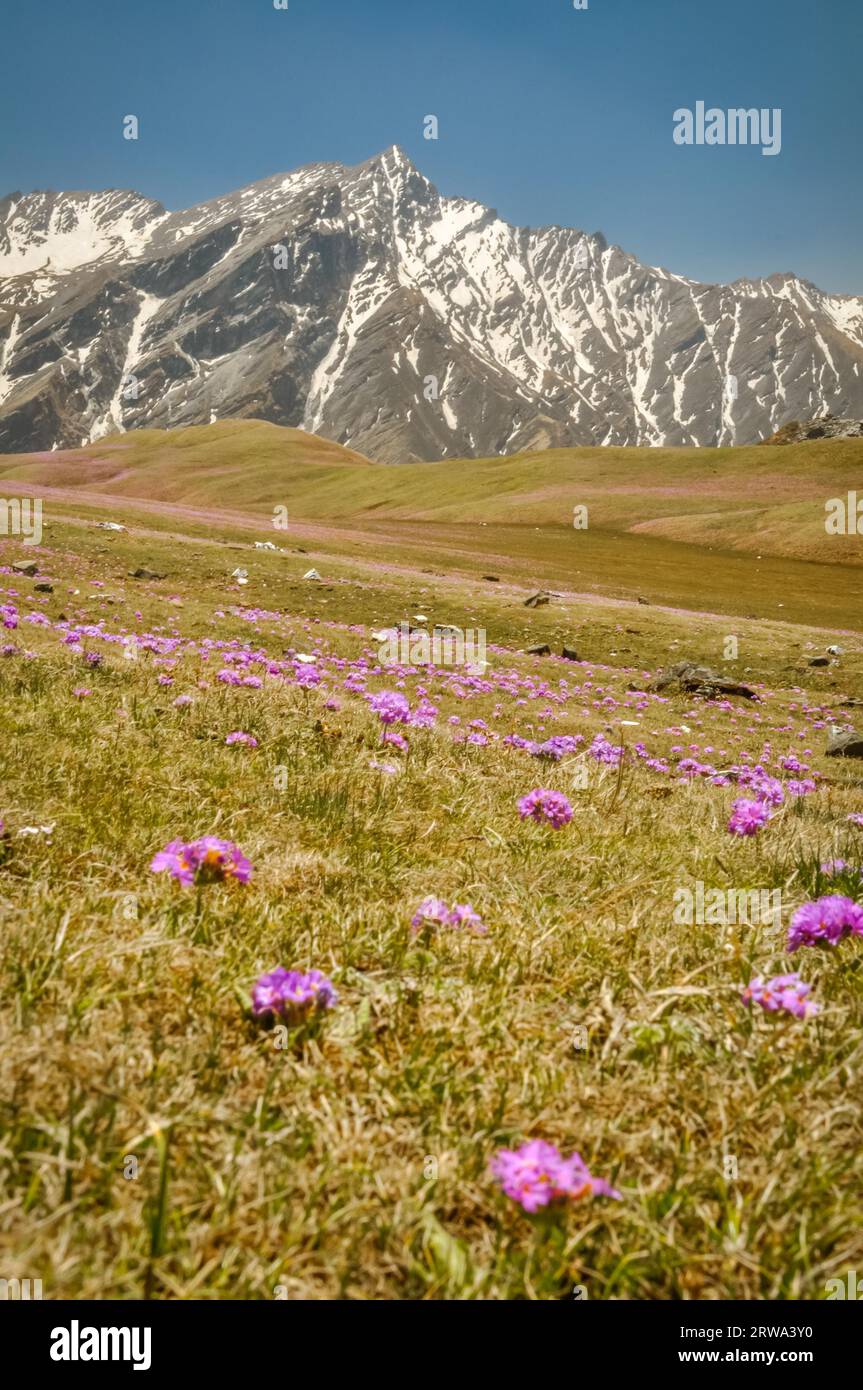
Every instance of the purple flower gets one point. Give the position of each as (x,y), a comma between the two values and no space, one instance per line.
(768,790)
(797,786)
(239,737)
(208,860)
(557,747)
(747,817)
(172,859)
(605,752)
(856,818)
(786,993)
(390,707)
(432,912)
(825,922)
(423,716)
(833,867)
(463,915)
(292,995)
(536,1175)
(393,739)
(793,764)
(542,804)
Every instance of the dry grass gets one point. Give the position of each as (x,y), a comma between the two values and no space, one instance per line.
(355,1163)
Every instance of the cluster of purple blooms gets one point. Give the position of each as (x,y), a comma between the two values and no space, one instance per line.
(537,1175)
(544,805)
(208,860)
(782,994)
(606,752)
(390,707)
(434,912)
(832,868)
(825,922)
(393,739)
(747,817)
(655,764)
(292,995)
(247,740)
(554,748)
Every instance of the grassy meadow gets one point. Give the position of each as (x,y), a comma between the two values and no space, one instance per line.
(156,1140)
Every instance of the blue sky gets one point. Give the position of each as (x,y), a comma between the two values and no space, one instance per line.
(546,113)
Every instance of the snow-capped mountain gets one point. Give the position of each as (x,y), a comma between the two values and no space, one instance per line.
(360,304)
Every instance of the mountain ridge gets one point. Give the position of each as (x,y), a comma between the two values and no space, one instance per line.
(359,303)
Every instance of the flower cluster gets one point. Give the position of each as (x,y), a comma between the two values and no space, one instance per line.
(207,860)
(433,913)
(544,805)
(825,922)
(292,995)
(782,994)
(390,707)
(832,868)
(537,1174)
(747,817)
(554,748)
(606,752)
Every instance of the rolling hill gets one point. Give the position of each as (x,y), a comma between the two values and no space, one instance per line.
(766,500)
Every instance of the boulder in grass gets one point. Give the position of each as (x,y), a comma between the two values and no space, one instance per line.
(143,573)
(691,679)
(537,600)
(541,649)
(820,661)
(570,654)
(28,569)
(848,745)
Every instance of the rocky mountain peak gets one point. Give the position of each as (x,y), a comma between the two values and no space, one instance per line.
(361,303)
